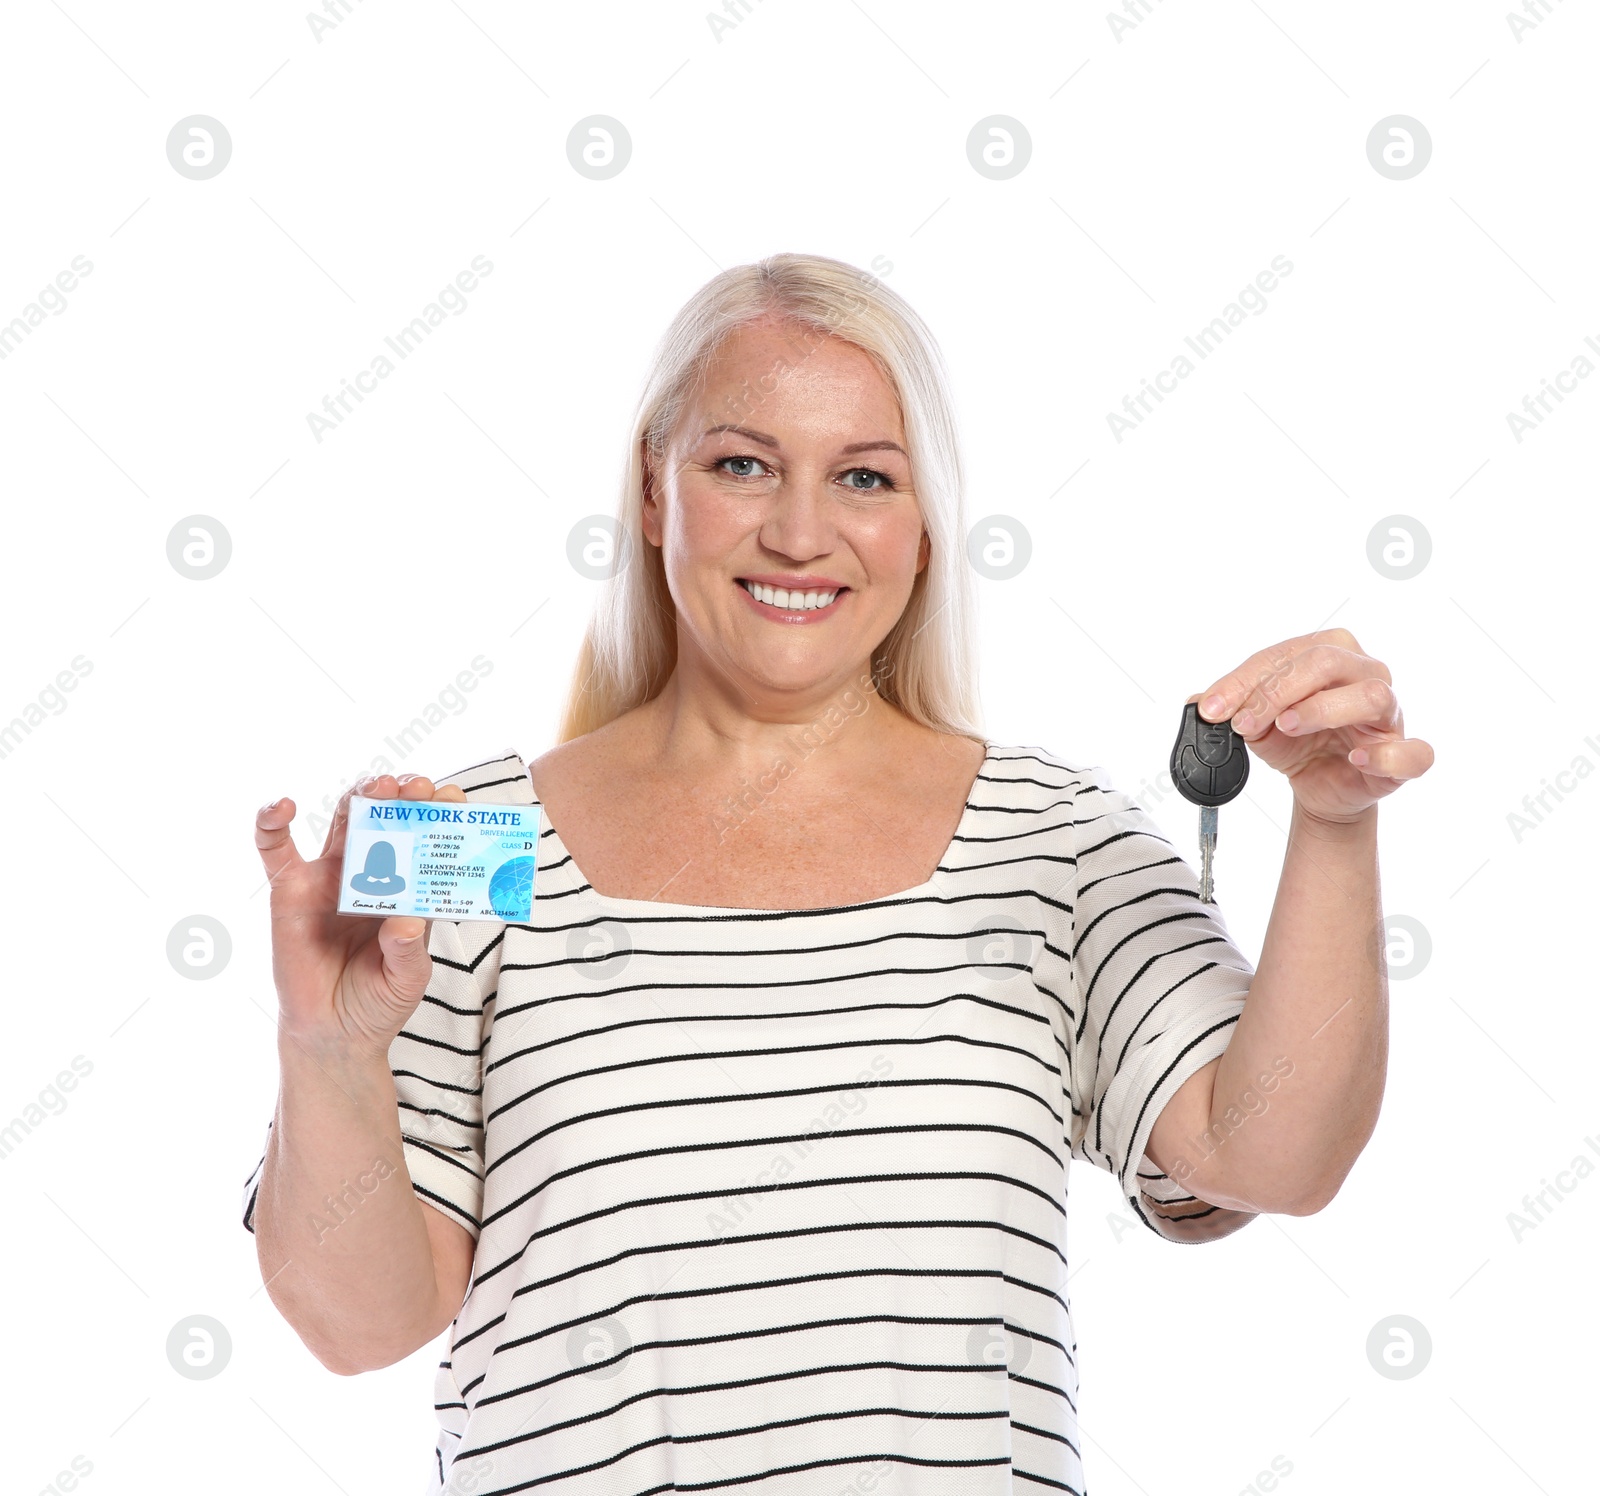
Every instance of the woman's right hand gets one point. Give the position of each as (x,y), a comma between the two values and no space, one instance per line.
(345,981)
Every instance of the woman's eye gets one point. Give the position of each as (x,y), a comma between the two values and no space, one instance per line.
(884,482)
(744,466)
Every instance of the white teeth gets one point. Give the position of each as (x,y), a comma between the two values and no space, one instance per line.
(779,598)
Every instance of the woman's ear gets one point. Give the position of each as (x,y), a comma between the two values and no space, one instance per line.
(924,550)
(650,517)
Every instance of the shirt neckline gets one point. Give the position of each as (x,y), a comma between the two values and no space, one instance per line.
(661,906)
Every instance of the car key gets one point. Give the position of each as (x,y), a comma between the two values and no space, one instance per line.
(1209,765)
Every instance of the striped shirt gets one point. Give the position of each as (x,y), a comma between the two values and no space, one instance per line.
(776,1199)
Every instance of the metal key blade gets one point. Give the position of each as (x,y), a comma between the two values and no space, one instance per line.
(1208,848)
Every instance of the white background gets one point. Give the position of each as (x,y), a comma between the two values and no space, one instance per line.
(1168,168)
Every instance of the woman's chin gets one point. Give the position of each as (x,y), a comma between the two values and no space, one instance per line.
(798,672)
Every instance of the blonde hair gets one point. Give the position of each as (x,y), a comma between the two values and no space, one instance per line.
(925,665)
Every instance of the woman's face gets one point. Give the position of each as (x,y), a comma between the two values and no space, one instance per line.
(788,471)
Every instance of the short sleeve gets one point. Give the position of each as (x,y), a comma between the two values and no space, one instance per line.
(437,1064)
(1158,987)
(437,1058)
(247,1201)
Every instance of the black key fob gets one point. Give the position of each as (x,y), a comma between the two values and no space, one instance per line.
(1210,761)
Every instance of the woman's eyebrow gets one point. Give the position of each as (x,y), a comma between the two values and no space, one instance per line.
(875,447)
(772,441)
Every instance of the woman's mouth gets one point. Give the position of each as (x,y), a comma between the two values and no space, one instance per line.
(797,605)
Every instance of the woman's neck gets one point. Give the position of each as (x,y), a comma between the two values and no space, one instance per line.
(843,724)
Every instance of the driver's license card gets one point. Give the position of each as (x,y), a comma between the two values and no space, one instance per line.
(439,859)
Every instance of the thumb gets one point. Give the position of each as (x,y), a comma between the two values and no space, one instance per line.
(406,962)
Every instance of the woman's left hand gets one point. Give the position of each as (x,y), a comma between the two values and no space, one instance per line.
(1322,712)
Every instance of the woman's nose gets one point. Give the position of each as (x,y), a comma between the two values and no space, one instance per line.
(799,524)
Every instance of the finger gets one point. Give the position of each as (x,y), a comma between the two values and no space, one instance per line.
(1268,665)
(407,963)
(398,930)
(370,785)
(420,787)
(1395,758)
(1274,679)
(273,840)
(1369,703)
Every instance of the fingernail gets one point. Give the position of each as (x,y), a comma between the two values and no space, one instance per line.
(1358,756)
(1212,706)
(1243,722)
(1289,720)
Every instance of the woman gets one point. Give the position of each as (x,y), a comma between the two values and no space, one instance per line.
(743,1162)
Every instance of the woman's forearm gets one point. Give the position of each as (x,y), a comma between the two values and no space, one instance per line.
(343,1245)
(1317,1021)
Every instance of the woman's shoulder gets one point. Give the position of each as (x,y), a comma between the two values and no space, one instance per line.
(1030,765)
(570,769)
(1070,795)
(503,778)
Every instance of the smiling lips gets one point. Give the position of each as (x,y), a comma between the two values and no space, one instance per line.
(792,604)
